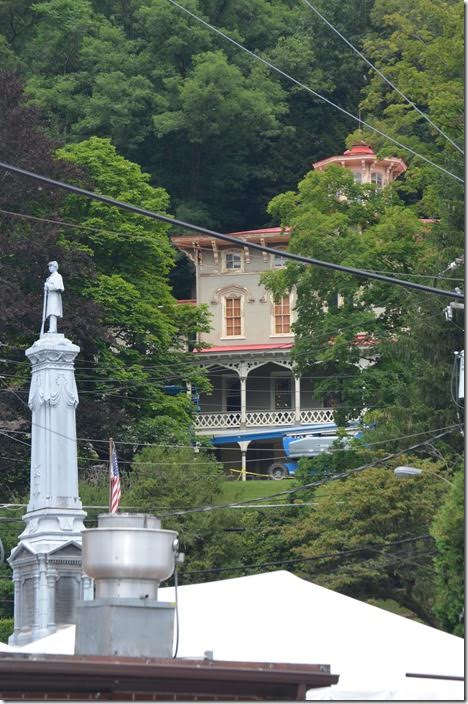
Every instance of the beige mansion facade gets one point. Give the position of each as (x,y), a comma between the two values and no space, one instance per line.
(256,398)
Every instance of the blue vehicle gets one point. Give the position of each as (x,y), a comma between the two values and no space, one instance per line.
(307,444)
(301,441)
(175,390)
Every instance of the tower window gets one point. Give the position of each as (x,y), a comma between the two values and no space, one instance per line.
(377,179)
(357,175)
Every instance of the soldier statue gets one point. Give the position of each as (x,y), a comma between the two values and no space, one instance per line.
(52,309)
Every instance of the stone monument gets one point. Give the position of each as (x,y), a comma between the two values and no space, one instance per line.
(46,562)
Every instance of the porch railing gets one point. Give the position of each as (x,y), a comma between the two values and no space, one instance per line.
(267,419)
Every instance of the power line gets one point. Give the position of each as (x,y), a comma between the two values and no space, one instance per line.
(146,444)
(228,238)
(299,560)
(321,570)
(217,368)
(202,249)
(153,378)
(387,80)
(28,444)
(309,485)
(310,90)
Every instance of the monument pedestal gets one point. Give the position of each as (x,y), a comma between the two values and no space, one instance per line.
(47,561)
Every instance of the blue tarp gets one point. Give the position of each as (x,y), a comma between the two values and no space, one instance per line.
(277,432)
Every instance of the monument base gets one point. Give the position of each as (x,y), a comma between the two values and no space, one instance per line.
(48,583)
(125,627)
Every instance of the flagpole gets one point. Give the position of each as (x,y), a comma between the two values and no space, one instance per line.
(110,474)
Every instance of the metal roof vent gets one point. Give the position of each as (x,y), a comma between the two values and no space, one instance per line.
(128,556)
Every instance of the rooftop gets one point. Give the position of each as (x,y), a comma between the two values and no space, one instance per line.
(72,677)
(267,235)
(245,348)
(359,152)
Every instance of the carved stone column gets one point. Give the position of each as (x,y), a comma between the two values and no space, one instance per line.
(53,399)
(49,549)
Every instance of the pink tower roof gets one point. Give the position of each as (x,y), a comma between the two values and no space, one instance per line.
(360,148)
(359,153)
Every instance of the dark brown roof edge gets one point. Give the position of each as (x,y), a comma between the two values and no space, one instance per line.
(81,677)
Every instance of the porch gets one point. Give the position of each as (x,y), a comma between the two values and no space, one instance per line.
(258,390)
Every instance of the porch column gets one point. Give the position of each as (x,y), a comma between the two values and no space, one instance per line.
(243,395)
(243,444)
(297,399)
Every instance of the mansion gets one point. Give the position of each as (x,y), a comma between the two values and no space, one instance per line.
(256,398)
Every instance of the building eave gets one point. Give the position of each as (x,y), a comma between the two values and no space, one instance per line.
(44,677)
(268,236)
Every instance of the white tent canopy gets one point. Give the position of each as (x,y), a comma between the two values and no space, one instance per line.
(277,617)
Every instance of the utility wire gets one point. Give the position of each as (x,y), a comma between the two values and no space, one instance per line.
(107,231)
(403,559)
(310,90)
(309,485)
(323,556)
(228,238)
(387,80)
(135,443)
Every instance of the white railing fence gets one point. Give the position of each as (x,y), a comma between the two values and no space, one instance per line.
(212,421)
(217,421)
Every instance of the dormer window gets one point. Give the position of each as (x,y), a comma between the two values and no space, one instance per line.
(278,259)
(376,179)
(233,260)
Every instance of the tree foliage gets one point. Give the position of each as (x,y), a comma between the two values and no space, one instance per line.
(173,96)
(449,534)
(368,537)
(118,303)
(145,102)
(217,543)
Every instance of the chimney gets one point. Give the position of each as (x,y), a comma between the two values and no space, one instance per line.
(128,555)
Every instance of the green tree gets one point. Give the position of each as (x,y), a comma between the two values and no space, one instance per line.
(346,537)
(149,330)
(449,535)
(335,220)
(118,304)
(218,543)
(139,73)
(25,248)
(368,341)
(420,48)
(168,481)
(220,109)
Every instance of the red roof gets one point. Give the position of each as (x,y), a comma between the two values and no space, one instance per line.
(246,348)
(360,148)
(263,231)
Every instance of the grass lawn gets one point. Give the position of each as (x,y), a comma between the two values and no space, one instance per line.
(253,489)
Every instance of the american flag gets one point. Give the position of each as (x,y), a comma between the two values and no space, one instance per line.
(115,492)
